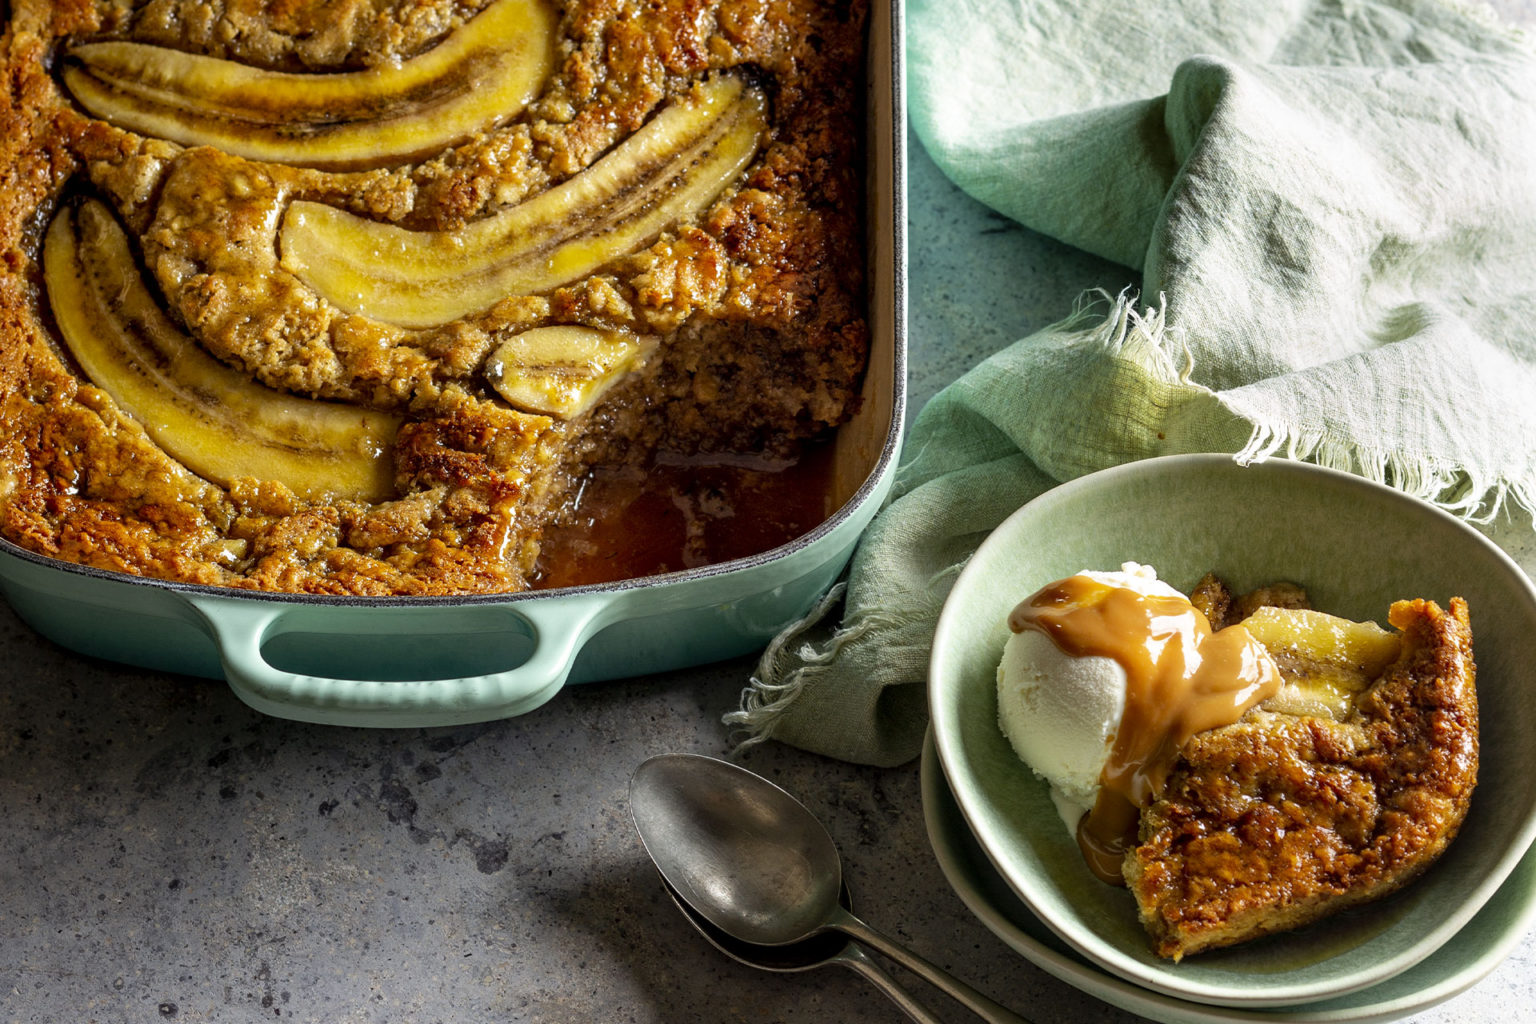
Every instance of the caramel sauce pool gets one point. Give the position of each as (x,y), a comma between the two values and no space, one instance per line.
(683,514)
(1181,679)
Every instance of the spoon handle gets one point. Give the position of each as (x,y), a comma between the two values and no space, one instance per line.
(855,959)
(983,1007)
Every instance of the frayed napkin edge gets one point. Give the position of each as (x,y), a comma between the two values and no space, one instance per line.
(773,687)
(1146,338)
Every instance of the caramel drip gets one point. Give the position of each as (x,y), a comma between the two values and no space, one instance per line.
(1181,679)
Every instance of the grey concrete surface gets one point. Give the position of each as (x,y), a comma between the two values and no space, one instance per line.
(167,854)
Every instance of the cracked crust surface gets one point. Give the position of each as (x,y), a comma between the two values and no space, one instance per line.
(1279,820)
(759,301)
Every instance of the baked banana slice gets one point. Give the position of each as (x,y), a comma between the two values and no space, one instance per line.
(210,418)
(669,170)
(563,371)
(488,70)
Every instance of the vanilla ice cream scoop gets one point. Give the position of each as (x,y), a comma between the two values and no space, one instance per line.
(1106,676)
(1060,711)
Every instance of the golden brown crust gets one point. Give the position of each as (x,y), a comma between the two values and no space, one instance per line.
(759,301)
(1277,821)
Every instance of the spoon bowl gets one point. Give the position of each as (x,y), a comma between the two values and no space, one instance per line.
(752,861)
(750,858)
(807,954)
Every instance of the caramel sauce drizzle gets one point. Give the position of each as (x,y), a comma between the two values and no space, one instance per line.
(1181,679)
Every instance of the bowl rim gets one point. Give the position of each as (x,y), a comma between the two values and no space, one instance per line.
(1099,951)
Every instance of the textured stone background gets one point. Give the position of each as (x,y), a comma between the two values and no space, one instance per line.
(166,854)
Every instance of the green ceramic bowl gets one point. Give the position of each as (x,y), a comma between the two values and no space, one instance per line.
(1356,546)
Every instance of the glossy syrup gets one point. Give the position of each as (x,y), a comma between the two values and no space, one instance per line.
(1180,679)
(684,513)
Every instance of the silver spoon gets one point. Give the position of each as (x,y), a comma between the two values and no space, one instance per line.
(755,863)
(807,954)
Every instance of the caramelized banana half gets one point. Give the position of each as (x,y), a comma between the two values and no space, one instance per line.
(211,418)
(670,170)
(483,73)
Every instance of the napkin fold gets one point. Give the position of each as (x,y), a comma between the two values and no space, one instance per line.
(1333,209)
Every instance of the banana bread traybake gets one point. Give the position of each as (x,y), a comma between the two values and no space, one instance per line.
(373,298)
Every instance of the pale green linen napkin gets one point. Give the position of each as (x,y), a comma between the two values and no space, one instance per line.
(1333,207)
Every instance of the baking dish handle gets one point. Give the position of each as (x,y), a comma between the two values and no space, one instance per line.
(241,629)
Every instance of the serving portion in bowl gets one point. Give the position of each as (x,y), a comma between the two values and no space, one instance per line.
(1474,952)
(1356,547)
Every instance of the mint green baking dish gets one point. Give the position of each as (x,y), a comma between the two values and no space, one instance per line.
(442,661)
